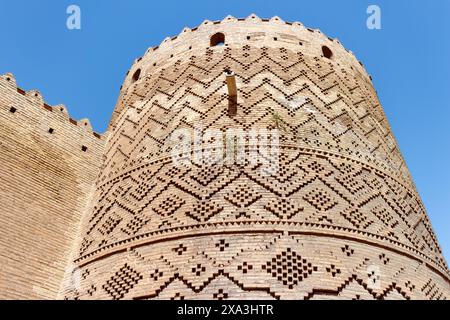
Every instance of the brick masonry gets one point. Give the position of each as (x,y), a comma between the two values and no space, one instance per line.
(46,179)
(340,218)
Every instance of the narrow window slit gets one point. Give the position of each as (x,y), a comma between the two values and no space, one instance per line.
(232,92)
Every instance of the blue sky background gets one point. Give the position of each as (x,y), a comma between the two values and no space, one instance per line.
(409,60)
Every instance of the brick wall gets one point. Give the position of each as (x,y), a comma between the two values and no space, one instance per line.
(49,163)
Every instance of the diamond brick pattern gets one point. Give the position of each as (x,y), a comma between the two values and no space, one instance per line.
(320,199)
(122,281)
(289,268)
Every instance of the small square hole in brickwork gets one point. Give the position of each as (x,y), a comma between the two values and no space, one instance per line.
(275,38)
(51,130)
(12,110)
(248,37)
(83,148)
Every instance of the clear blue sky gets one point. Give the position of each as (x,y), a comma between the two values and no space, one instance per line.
(409,60)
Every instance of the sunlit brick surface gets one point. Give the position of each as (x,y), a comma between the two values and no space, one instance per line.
(46,180)
(340,218)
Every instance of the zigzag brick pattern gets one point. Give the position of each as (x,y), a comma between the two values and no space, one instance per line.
(340,219)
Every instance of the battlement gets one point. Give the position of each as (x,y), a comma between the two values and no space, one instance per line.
(276,25)
(33,97)
(237,33)
(251,19)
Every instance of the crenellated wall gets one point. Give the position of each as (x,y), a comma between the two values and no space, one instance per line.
(49,163)
(253,31)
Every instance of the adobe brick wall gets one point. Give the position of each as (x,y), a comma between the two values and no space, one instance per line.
(45,183)
(340,219)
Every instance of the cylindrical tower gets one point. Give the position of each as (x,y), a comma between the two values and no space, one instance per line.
(337,216)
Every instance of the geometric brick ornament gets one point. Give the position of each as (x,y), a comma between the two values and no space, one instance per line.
(338,217)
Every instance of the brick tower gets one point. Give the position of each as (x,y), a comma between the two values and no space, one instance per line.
(339,218)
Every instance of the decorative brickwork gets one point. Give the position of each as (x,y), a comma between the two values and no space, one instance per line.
(339,218)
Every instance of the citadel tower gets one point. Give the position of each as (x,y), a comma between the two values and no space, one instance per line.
(338,218)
